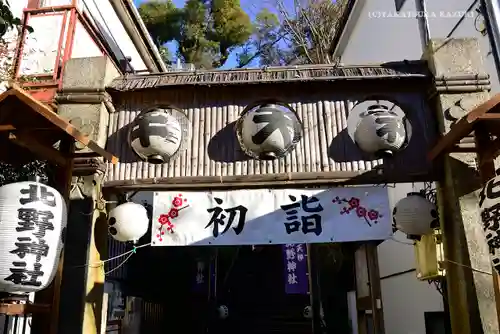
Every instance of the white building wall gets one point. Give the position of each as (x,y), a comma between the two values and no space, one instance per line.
(379,35)
(405,299)
(105,17)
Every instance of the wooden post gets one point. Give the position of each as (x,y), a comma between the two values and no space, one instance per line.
(375,289)
(92,321)
(314,289)
(51,295)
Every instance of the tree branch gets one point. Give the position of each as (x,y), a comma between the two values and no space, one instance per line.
(260,51)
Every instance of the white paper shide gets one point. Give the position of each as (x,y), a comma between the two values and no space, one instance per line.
(285,216)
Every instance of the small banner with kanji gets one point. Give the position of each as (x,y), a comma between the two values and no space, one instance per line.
(295,264)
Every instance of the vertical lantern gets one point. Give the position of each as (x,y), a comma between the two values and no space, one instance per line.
(489,206)
(33,221)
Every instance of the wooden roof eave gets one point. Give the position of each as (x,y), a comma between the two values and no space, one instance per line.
(485,114)
(21,136)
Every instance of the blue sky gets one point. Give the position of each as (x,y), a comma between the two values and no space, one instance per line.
(248,5)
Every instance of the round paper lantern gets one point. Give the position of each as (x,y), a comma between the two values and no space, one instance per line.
(223,312)
(415,215)
(128,222)
(489,207)
(268,131)
(156,136)
(33,220)
(308,313)
(379,127)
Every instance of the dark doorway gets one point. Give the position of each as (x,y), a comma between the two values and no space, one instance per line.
(255,294)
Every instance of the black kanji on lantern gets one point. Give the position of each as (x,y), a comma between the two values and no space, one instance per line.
(23,276)
(31,219)
(152,123)
(490,191)
(38,222)
(490,216)
(218,218)
(37,192)
(275,119)
(25,245)
(308,223)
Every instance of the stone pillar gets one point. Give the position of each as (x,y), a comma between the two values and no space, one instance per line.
(84,102)
(458,67)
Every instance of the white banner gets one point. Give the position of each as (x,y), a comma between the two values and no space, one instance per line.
(285,216)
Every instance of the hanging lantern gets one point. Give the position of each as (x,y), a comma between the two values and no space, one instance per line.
(415,215)
(33,220)
(223,312)
(157,135)
(268,131)
(308,313)
(379,127)
(128,222)
(489,203)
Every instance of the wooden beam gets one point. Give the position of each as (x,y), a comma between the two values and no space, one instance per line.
(489,117)
(23,309)
(465,126)
(49,114)
(64,186)
(7,127)
(265,180)
(34,146)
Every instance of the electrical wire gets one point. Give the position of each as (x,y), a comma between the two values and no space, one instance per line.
(469,267)
(102,262)
(120,265)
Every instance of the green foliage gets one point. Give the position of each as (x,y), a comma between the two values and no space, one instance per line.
(266,35)
(36,168)
(165,54)
(7,19)
(206,31)
(301,35)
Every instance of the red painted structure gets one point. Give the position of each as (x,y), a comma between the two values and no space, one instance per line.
(44,86)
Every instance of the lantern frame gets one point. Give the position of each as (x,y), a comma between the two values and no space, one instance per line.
(256,105)
(184,123)
(354,118)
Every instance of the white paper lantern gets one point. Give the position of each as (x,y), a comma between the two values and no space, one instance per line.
(415,215)
(489,206)
(223,312)
(33,220)
(128,222)
(268,131)
(156,136)
(379,127)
